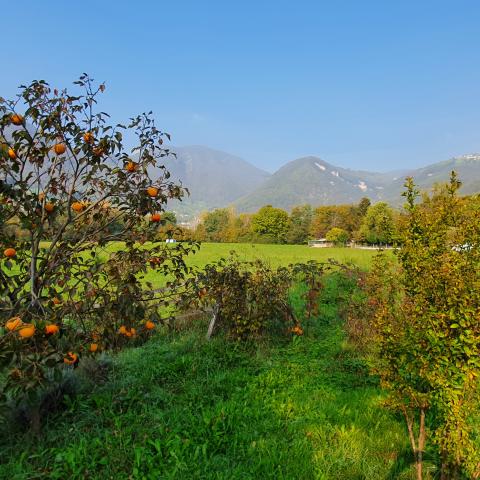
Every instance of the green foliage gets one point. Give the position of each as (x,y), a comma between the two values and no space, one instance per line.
(248,299)
(337,236)
(271,224)
(169,218)
(346,217)
(299,224)
(240,229)
(311,274)
(268,224)
(215,224)
(378,225)
(362,207)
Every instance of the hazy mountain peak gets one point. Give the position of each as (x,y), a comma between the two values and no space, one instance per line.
(214,178)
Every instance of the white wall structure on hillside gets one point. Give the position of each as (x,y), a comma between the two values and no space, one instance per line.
(362,186)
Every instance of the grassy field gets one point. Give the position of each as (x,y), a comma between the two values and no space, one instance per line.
(274,255)
(183,408)
(281,254)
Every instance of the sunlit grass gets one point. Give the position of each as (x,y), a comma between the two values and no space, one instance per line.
(274,255)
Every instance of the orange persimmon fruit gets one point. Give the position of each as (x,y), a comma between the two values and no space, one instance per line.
(78,207)
(13,323)
(149,325)
(16,119)
(152,191)
(70,358)
(59,148)
(51,329)
(10,252)
(27,330)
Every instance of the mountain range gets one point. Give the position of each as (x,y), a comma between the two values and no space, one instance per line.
(217,179)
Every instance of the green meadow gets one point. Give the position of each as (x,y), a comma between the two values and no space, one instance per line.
(274,255)
(277,255)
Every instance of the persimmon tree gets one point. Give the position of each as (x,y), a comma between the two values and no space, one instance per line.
(418,322)
(251,299)
(68,287)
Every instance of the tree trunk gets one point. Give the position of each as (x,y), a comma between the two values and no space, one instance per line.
(445,469)
(419,468)
(35,421)
(33,272)
(421,444)
(211,326)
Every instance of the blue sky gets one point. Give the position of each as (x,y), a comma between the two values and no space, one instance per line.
(363,84)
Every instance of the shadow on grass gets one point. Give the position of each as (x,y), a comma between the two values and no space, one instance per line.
(403,462)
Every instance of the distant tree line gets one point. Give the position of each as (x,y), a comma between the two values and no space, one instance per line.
(339,224)
(362,223)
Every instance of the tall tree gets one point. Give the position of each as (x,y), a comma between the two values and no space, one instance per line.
(216,224)
(338,236)
(327,217)
(418,323)
(362,207)
(299,224)
(271,224)
(239,228)
(378,225)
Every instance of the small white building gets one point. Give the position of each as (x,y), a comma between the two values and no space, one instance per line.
(320,243)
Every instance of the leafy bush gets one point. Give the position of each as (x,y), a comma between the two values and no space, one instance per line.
(310,274)
(247,299)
